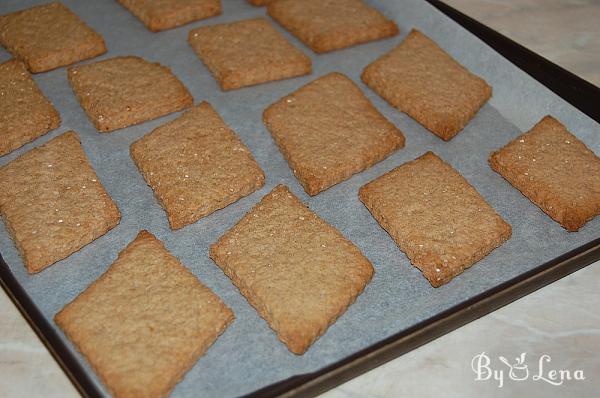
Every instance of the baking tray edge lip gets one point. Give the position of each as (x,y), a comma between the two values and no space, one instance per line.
(573,89)
(48,335)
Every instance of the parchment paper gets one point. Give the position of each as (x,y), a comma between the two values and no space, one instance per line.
(248,355)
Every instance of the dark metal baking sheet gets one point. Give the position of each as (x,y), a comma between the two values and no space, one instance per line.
(399,309)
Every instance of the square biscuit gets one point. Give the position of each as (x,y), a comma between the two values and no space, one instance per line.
(196,165)
(435,216)
(123,91)
(53,203)
(328,25)
(49,36)
(297,271)
(422,80)
(554,170)
(248,52)
(159,15)
(25,113)
(328,130)
(145,322)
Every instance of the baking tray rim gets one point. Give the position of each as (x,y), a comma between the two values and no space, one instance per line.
(565,84)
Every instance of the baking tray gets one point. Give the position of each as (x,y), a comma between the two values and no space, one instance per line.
(405,311)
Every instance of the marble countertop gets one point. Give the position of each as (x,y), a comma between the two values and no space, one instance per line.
(560,320)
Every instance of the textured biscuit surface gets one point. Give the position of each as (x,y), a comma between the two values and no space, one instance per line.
(328,130)
(327,25)
(195,164)
(159,15)
(145,321)
(53,203)
(435,216)
(49,36)
(296,270)
(25,113)
(555,170)
(422,80)
(123,91)
(247,52)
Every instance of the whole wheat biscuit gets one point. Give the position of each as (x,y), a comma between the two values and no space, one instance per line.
(145,322)
(25,113)
(52,202)
(196,165)
(554,170)
(159,15)
(123,91)
(435,216)
(247,52)
(49,36)
(422,80)
(328,25)
(328,130)
(297,271)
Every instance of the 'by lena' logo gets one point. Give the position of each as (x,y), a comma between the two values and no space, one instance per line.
(520,371)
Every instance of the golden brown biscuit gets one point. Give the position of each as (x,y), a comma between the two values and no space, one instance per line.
(328,130)
(435,216)
(145,322)
(297,271)
(247,52)
(49,36)
(123,91)
(159,15)
(328,25)
(195,165)
(25,113)
(52,202)
(554,170)
(422,80)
